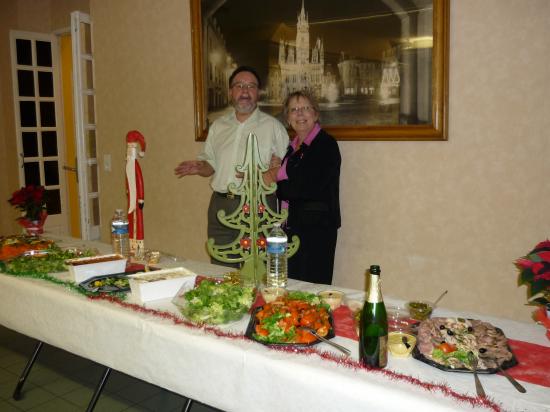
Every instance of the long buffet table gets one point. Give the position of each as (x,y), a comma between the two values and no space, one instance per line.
(232,373)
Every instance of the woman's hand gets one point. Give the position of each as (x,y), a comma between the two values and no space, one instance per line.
(270,175)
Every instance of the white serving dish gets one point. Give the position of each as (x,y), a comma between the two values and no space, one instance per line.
(160,284)
(333,298)
(84,268)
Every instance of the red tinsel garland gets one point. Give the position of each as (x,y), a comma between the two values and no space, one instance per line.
(328,356)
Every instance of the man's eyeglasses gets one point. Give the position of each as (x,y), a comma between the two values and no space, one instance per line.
(304,109)
(245,86)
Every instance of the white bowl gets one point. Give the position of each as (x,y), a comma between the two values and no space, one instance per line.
(333,298)
(160,284)
(84,268)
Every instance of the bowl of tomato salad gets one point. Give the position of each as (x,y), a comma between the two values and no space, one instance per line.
(281,322)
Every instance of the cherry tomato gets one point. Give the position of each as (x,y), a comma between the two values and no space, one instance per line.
(446,347)
(303,336)
(261,331)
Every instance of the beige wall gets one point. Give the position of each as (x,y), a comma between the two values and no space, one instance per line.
(435,215)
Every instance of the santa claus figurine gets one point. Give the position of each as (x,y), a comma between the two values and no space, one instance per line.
(134,191)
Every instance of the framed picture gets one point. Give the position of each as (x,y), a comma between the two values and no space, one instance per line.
(378,68)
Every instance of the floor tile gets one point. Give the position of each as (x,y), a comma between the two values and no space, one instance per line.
(138,391)
(90,374)
(62,386)
(201,407)
(31,398)
(118,380)
(111,403)
(164,401)
(80,396)
(42,376)
(141,408)
(7,376)
(16,361)
(6,407)
(56,405)
(7,388)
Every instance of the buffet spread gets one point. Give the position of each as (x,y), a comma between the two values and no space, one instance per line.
(204,321)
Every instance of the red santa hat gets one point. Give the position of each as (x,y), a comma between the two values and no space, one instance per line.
(135,136)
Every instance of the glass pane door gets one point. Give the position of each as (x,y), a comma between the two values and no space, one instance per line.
(85,124)
(38,121)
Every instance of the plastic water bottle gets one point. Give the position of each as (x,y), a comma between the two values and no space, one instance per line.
(119,234)
(277,270)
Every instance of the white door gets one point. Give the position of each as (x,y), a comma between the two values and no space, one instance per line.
(85,124)
(38,120)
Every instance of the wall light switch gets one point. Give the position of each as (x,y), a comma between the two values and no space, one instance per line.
(107,162)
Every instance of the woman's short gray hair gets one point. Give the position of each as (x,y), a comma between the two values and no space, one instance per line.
(305,94)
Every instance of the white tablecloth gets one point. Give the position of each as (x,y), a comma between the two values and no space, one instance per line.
(236,374)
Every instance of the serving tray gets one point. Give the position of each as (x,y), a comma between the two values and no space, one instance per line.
(505,365)
(251,328)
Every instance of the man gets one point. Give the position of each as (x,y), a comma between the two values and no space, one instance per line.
(225,148)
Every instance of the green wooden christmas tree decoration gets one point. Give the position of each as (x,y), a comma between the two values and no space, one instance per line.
(253,218)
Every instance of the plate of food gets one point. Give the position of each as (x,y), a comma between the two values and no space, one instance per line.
(285,321)
(446,342)
(19,245)
(215,303)
(107,283)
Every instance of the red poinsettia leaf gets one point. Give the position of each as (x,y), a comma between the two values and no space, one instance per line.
(545,276)
(524,263)
(541,256)
(543,245)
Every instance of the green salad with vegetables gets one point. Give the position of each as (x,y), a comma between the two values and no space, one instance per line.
(48,260)
(217,303)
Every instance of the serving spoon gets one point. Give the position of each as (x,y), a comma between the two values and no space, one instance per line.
(473,363)
(439,298)
(514,382)
(341,348)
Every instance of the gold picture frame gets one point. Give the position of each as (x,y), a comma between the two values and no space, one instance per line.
(209,19)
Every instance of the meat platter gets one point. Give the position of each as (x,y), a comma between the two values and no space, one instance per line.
(445,343)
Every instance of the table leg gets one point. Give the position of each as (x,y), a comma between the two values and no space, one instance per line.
(187,406)
(99,389)
(17,392)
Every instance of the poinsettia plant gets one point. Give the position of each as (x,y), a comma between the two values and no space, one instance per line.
(535,273)
(31,201)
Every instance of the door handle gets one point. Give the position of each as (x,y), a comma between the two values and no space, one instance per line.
(72,169)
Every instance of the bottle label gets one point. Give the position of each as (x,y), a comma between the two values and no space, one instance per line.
(276,245)
(374,293)
(119,229)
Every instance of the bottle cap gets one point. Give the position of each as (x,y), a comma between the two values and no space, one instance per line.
(374,270)
(119,211)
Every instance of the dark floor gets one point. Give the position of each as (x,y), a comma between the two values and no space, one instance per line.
(60,381)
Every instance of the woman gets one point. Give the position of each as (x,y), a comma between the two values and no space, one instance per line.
(309,183)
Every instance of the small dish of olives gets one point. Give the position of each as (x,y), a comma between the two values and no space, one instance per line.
(420,309)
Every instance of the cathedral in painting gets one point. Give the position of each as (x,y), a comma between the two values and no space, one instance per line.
(300,66)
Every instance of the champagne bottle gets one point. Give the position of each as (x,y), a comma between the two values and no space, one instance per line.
(373,326)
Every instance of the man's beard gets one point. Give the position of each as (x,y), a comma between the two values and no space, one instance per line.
(244,106)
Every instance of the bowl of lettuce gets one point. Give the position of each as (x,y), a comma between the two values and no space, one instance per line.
(215,303)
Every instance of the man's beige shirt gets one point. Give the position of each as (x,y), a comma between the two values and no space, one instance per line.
(225,146)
